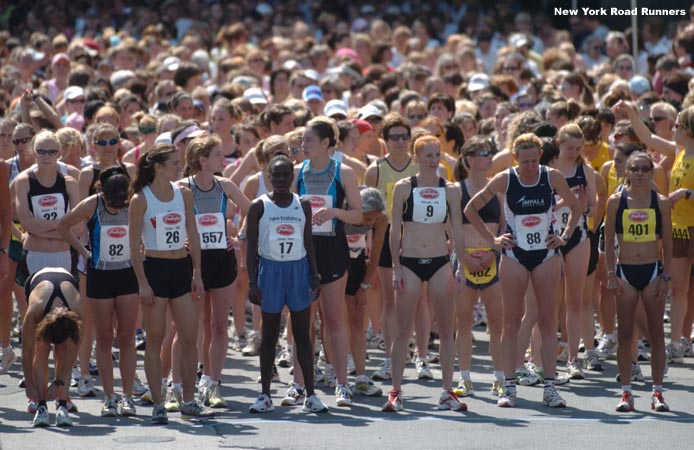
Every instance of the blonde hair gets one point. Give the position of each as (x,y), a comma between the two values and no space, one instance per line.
(200,146)
(527,140)
(69,136)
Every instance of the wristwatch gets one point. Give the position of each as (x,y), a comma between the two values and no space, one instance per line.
(316,275)
(241,236)
(365,286)
(565,237)
(666,277)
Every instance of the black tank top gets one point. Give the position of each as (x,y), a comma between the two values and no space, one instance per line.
(37,189)
(533,199)
(623,204)
(409,203)
(578,178)
(95,176)
(489,213)
(55,278)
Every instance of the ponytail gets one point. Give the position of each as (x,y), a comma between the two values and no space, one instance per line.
(145,166)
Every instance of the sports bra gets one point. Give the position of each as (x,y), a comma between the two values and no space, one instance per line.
(638,215)
(427,199)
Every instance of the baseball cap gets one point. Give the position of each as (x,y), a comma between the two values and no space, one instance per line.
(369,111)
(478,82)
(72,92)
(639,84)
(312,92)
(335,107)
(60,57)
(255,96)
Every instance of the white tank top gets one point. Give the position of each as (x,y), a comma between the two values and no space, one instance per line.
(164,223)
(262,189)
(281,231)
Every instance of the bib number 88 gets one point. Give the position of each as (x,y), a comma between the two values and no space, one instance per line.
(533,238)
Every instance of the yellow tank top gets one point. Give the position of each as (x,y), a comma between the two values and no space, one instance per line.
(682,176)
(601,158)
(447,166)
(613,181)
(388,176)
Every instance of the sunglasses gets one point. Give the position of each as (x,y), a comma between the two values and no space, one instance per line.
(399,137)
(295,150)
(525,105)
(42,151)
(23,140)
(77,100)
(147,130)
(417,116)
(483,153)
(374,119)
(105,143)
(642,169)
(658,118)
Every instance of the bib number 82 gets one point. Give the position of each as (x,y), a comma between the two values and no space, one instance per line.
(115,250)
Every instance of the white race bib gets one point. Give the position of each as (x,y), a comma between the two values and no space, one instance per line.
(319,202)
(429,204)
(531,231)
(357,243)
(561,216)
(286,242)
(115,246)
(171,231)
(212,230)
(48,206)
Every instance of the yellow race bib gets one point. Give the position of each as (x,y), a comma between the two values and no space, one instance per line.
(679,232)
(484,276)
(638,225)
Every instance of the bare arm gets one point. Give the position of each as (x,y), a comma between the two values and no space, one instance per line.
(653,141)
(80,213)
(371,175)
(48,112)
(562,189)
(248,165)
(666,232)
(193,242)
(85,180)
(138,206)
(234,193)
(379,236)
(32,225)
(353,215)
(496,185)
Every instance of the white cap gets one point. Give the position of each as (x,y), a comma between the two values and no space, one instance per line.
(255,96)
(171,63)
(478,82)
(335,107)
(369,111)
(164,138)
(518,40)
(72,92)
(311,74)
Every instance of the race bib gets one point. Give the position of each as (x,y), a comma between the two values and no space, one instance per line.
(48,206)
(484,276)
(561,217)
(679,232)
(357,243)
(429,204)
(286,242)
(531,231)
(212,230)
(115,246)
(319,202)
(638,225)
(170,231)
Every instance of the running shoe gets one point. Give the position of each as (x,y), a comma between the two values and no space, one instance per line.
(93,370)
(62,417)
(146,398)
(294,396)
(464,388)
(658,403)
(262,405)
(285,357)
(498,388)
(367,388)
(642,351)
(376,342)
(592,361)
(139,388)
(343,395)
(551,397)
(126,407)
(560,378)
(448,400)
(351,370)
(159,415)
(318,375)
(195,410)
(563,352)
(314,404)
(394,402)
(75,377)
(626,403)
(85,388)
(238,342)
(675,354)
(140,339)
(573,369)
(423,371)
(383,372)
(636,373)
(479,315)
(252,347)
(526,377)
(8,359)
(329,377)
(174,399)
(607,346)
(32,407)
(110,407)
(687,348)
(214,398)
(508,398)
(71,407)
(41,418)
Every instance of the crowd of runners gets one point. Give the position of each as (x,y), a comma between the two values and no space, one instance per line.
(366,183)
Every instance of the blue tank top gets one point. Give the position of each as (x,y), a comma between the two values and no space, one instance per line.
(108,238)
(327,183)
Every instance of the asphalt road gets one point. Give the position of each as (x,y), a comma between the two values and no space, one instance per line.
(588,421)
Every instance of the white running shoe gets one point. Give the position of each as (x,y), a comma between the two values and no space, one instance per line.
(314,404)
(8,359)
(551,397)
(423,370)
(62,417)
(294,396)
(262,404)
(41,418)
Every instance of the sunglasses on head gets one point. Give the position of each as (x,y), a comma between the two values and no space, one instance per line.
(295,150)
(105,143)
(43,151)
(642,169)
(23,140)
(399,137)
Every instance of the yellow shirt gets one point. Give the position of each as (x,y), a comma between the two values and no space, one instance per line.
(682,176)
(388,176)
(601,158)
